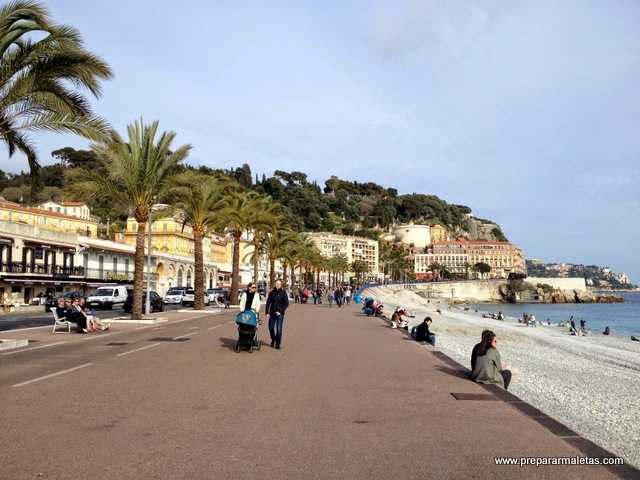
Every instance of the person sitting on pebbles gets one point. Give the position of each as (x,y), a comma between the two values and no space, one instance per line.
(422,333)
(489,367)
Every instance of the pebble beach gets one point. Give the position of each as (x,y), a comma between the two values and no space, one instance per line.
(590,383)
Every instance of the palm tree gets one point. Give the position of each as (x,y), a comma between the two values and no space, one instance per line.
(43,70)
(265,221)
(197,197)
(275,244)
(138,172)
(239,214)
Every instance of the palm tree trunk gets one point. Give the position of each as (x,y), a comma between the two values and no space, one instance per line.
(198,301)
(284,273)
(256,259)
(138,272)
(272,272)
(300,276)
(317,278)
(235,275)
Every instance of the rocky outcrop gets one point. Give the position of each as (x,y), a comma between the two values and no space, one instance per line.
(521,292)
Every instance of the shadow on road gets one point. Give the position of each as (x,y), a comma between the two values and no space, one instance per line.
(229,343)
(453,372)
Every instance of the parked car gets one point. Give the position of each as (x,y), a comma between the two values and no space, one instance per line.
(189,298)
(156,303)
(108,297)
(174,295)
(53,302)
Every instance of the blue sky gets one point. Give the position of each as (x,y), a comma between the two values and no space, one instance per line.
(527,111)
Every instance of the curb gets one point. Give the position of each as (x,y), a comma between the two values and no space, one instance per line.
(10,344)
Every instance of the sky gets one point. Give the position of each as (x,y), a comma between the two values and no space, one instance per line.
(526,111)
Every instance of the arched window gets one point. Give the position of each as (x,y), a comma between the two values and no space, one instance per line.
(180,277)
(189,278)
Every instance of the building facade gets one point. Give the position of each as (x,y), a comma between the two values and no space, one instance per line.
(74,209)
(47,220)
(460,256)
(352,248)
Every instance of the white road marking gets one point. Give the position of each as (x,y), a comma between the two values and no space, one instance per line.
(33,348)
(51,375)
(194,328)
(217,326)
(185,335)
(137,349)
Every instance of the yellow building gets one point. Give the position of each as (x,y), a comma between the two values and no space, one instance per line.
(439,233)
(47,220)
(169,236)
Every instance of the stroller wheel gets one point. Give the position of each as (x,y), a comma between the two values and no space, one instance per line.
(257,344)
(251,347)
(237,349)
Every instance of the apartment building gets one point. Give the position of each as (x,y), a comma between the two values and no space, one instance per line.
(459,256)
(353,248)
(74,209)
(47,219)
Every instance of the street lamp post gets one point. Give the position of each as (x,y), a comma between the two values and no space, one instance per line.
(156,207)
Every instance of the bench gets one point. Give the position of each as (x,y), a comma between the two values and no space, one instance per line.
(62,322)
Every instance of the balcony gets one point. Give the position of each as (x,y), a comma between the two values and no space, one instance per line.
(78,273)
(45,270)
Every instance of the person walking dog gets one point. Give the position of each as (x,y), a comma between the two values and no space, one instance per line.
(277,304)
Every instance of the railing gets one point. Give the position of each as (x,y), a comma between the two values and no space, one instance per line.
(65,272)
(38,269)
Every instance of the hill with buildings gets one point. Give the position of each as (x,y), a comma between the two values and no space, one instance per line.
(339,206)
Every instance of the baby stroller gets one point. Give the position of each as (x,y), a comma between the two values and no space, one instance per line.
(247,322)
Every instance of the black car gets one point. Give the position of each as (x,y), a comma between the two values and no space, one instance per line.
(157,305)
(53,302)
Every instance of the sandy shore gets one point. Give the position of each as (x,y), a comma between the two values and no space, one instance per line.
(591,383)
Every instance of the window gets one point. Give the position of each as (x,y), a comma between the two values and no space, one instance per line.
(126,265)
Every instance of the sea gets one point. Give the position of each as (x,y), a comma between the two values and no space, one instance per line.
(622,318)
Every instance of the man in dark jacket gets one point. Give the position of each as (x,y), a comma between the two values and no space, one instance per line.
(277,304)
(423,334)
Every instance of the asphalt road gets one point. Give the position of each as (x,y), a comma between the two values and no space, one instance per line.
(345,398)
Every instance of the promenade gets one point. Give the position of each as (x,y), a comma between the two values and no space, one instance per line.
(345,398)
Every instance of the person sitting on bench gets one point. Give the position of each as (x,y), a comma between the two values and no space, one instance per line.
(76,316)
(423,334)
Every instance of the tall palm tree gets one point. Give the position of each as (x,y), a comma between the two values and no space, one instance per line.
(44,69)
(266,220)
(238,214)
(197,197)
(138,173)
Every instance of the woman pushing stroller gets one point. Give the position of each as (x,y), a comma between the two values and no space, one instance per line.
(248,320)
(250,300)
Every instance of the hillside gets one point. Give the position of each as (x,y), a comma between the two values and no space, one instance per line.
(339,206)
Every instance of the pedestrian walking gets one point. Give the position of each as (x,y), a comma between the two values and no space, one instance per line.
(347,296)
(330,297)
(277,304)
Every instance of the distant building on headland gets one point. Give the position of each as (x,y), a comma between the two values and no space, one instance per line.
(461,256)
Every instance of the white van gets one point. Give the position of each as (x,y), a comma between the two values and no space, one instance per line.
(108,297)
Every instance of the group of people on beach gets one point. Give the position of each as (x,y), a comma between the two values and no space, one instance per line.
(77,311)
